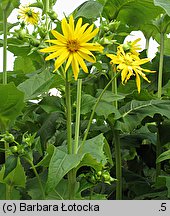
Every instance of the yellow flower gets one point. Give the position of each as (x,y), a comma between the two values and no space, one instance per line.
(72,45)
(129,65)
(132,46)
(28,15)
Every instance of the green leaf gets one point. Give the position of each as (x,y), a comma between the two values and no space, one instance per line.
(109,96)
(61,163)
(164,156)
(33,187)
(9,6)
(14,194)
(16,177)
(51,104)
(36,85)
(10,164)
(24,64)
(165,4)
(48,127)
(93,149)
(130,12)
(46,160)
(87,103)
(105,109)
(89,10)
(11,104)
(60,192)
(134,111)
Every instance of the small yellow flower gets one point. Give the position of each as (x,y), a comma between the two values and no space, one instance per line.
(28,15)
(72,47)
(129,65)
(132,46)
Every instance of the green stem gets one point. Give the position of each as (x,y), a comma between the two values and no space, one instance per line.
(68,110)
(118,165)
(38,177)
(158,144)
(94,108)
(161,64)
(118,158)
(77,127)
(72,173)
(158,152)
(5,46)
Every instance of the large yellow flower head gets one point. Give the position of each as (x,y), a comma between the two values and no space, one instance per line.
(129,65)
(72,46)
(28,15)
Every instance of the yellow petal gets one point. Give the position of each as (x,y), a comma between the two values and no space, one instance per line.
(81,30)
(59,36)
(124,74)
(138,82)
(61,59)
(55,54)
(75,67)
(87,57)
(86,51)
(81,63)
(71,23)
(57,42)
(65,28)
(70,58)
(92,46)
(78,25)
(89,36)
(49,49)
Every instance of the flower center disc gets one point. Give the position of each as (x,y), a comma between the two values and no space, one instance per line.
(73,45)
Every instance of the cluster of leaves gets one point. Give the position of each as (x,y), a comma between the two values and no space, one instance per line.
(37,130)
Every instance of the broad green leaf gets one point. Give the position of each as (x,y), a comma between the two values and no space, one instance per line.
(105,109)
(48,128)
(94,148)
(130,12)
(10,164)
(61,163)
(16,177)
(87,103)
(36,85)
(89,9)
(51,104)
(164,156)
(109,96)
(165,4)
(11,104)
(9,6)
(60,192)
(14,194)
(33,186)
(134,111)
(24,64)
(46,160)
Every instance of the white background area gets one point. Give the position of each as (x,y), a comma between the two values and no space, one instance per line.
(66,7)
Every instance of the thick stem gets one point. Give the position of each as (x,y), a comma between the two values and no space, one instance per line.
(158,144)
(161,64)
(4,47)
(77,126)
(95,106)
(118,160)
(72,173)
(68,110)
